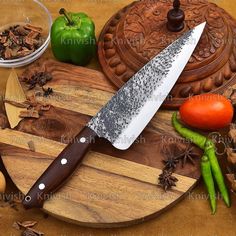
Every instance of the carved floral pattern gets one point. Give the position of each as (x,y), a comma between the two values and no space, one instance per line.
(145,24)
(141,29)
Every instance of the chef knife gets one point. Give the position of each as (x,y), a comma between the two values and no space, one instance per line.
(124,117)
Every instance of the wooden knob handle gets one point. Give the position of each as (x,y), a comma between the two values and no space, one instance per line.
(175,18)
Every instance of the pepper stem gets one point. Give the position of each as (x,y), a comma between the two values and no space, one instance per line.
(64,12)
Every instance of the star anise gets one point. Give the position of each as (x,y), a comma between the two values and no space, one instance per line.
(172,150)
(167,180)
(47,92)
(40,78)
(170,163)
(188,155)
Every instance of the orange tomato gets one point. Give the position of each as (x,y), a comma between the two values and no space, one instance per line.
(207,112)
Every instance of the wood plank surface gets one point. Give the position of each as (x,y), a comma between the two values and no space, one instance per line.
(113,187)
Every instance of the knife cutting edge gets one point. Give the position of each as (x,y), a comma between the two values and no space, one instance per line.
(124,117)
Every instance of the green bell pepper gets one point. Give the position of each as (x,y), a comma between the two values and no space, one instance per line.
(73,38)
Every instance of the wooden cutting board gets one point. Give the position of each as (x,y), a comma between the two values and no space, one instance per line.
(112,188)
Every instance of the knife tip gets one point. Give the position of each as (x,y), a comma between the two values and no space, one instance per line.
(202,25)
(200,28)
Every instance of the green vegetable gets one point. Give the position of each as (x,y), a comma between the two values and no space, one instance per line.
(209,149)
(210,152)
(73,38)
(208,180)
(194,137)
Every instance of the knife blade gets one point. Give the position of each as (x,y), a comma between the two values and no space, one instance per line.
(124,117)
(14,93)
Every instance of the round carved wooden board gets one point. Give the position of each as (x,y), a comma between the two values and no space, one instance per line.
(112,188)
(138,32)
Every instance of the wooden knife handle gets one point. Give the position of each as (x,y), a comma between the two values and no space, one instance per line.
(60,169)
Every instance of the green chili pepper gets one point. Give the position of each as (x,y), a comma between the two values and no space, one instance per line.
(210,152)
(194,137)
(209,148)
(208,180)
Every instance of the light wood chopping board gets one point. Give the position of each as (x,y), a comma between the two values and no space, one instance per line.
(112,188)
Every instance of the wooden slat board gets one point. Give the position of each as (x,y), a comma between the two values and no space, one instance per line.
(112,188)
